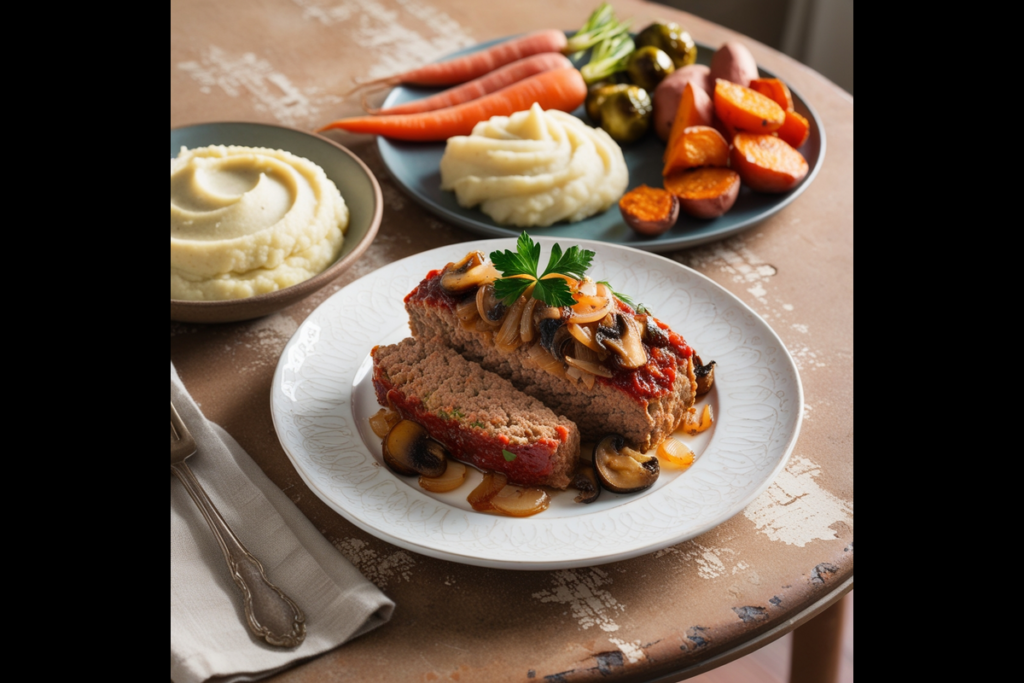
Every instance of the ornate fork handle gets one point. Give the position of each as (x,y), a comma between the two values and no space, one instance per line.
(271,614)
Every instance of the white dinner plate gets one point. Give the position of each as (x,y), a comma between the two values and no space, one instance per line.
(322,397)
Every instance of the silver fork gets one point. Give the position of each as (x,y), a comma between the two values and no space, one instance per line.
(271,614)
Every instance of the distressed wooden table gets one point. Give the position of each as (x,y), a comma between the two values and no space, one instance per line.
(664,616)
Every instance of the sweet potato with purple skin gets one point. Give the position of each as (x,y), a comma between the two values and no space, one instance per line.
(705,192)
(670,91)
(734,63)
(767,163)
(649,210)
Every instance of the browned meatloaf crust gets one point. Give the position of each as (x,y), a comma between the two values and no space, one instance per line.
(476,414)
(634,404)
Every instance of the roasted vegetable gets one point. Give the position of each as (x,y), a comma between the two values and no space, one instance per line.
(649,210)
(648,66)
(596,97)
(672,39)
(626,114)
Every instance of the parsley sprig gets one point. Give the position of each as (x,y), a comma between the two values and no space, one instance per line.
(519,272)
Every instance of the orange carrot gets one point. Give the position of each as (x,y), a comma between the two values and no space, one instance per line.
(775,90)
(562,89)
(473,65)
(746,109)
(496,80)
(696,146)
(767,163)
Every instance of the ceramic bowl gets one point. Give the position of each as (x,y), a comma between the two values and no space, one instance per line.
(354,180)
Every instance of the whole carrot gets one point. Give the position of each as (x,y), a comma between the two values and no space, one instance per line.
(473,65)
(562,89)
(478,87)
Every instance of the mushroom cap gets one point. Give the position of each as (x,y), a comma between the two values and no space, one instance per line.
(408,450)
(622,469)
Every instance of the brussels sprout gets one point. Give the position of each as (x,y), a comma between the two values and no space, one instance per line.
(626,114)
(596,96)
(649,66)
(672,39)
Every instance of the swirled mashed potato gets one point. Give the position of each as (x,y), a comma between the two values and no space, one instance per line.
(250,220)
(535,168)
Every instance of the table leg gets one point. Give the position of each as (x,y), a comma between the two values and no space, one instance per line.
(817,647)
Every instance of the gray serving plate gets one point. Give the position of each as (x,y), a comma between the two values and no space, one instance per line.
(414,167)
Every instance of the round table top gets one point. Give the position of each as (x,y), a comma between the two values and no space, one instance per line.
(667,615)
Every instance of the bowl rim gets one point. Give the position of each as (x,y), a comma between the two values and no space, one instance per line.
(323,277)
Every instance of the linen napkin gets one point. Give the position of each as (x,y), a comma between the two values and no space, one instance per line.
(209,636)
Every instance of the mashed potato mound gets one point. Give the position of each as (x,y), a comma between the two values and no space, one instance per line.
(535,168)
(250,220)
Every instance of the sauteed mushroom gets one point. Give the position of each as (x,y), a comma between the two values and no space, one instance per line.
(705,375)
(490,307)
(469,273)
(409,450)
(586,483)
(622,335)
(622,469)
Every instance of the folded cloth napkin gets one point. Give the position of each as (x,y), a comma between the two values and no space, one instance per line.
(209,636)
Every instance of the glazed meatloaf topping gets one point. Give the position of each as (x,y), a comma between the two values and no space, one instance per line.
(480,417)
(607,368)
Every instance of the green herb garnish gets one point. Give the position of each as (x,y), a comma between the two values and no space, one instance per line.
(509,457)
(519,272)
(639,308)
(601,25)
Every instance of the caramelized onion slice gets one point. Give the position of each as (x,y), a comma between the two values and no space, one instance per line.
(693,425)
(587,366)
(383,420)
(589,309)
(520,501)
(452,479)
(675,453)
(507,338)
(586,335)
(480,497)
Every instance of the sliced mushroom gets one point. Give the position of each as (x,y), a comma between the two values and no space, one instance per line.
(705,375)
(490,307)
(555,338)
(469,273)
(409,450)
(623,337)
(586,483)
(622,469)
(652,334)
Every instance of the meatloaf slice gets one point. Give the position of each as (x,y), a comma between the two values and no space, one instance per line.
(644,405)
(476,414)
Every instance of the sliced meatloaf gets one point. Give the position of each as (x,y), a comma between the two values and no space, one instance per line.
(480,417)
(645,404)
